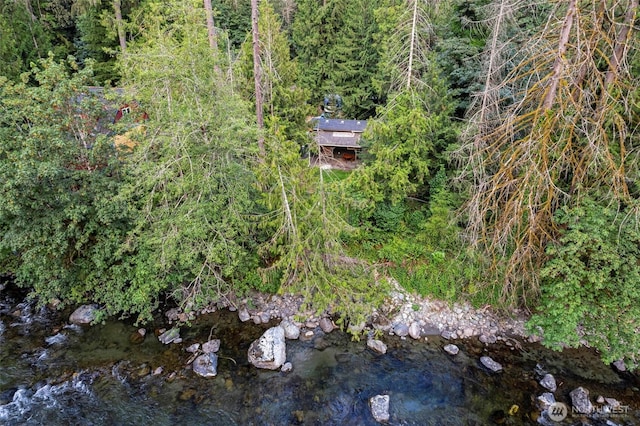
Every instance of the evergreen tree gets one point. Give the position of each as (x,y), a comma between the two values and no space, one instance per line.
(333,43)
(190,173)
(284,103)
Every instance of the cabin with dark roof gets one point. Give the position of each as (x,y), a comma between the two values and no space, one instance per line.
(338,138)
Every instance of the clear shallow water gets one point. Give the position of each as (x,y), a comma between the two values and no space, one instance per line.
(55,374)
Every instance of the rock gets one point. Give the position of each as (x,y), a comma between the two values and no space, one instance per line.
(451,349)
(600,399)
(401,329)
(414,330)
(137,336)
(269,351)
(211,346)
(286,367)
(549,382)
(256,319)
(85,314)
(580,400)
(491,364)
(172,314)
(380,408)
(193,348)
(613,403)
(291,331)
(170,336)
(446,334)
(377,346)
(158,371)
(619,365)
(545,400)
(206,365)
(488,339)
(265,317)
(326,325)
(244,315)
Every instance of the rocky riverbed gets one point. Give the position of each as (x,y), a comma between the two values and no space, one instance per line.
(410,369)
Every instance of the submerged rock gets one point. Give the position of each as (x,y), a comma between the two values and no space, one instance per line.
(451,349)
(206,365)
(85,314)
(380,408)
(491,364)
(377,346)
(269,351)
(170,336)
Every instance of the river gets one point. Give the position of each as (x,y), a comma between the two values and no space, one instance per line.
(52,373)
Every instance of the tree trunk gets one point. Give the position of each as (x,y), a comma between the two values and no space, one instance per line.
(413,41)
(558,66)
(621,43)
(120,25)
(257,75)
(211,29)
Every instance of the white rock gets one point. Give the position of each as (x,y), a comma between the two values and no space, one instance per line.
(291,331)
(85,314)
(414,330)
(244,315)
(380,408)
(286,367)
(451,349)
(549,382)
(491,364)
(269,351)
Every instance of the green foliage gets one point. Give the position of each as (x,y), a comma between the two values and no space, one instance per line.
(404,148)
(333,43)
(306,221)
(58,219)
(284,103)
(22,39)
(190,176)
(591,283)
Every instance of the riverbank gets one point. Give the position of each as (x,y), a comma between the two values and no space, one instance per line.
(403,314)
(110,373)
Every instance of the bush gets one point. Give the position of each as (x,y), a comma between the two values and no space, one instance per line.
(591,283)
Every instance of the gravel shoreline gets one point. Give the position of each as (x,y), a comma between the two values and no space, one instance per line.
(403,314)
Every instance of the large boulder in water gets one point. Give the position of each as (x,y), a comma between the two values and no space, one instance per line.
(85,314)
(269,351)
(206,365)
(380,408)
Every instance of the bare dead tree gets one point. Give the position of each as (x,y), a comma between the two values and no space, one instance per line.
(564,135)
(257,73)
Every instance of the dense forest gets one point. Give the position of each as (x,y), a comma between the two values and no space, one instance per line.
(500,160)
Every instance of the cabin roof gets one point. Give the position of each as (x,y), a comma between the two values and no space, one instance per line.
(339,125)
